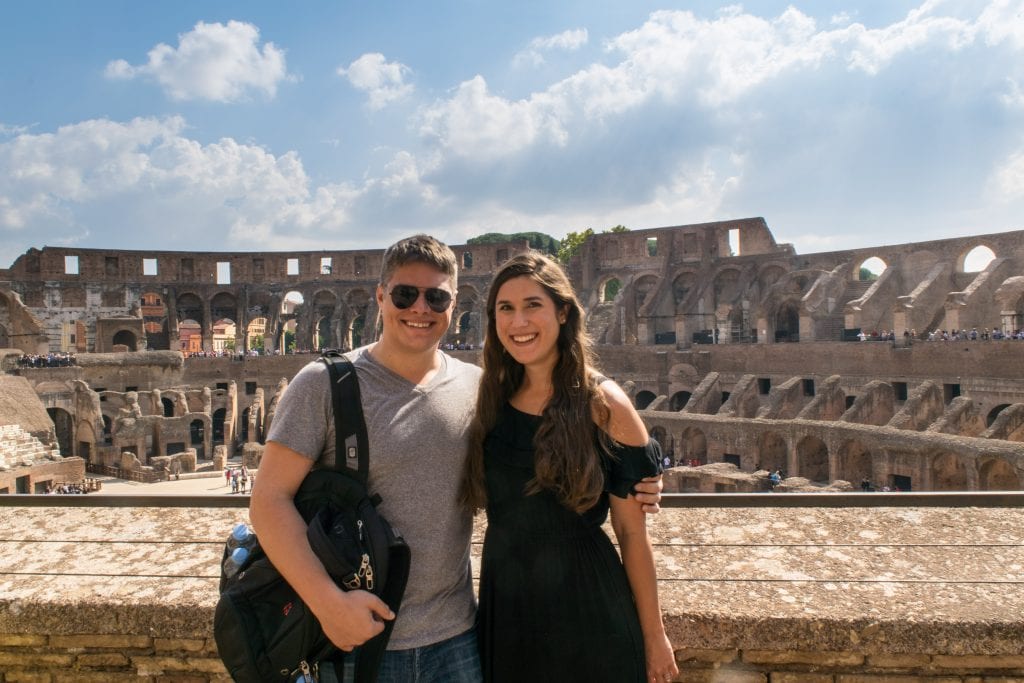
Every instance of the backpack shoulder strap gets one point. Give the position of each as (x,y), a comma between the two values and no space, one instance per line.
(351,443)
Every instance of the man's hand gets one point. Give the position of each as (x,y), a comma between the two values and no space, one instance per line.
(353,618)
(648,494)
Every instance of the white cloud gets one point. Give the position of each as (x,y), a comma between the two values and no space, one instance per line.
(566,41)
(475,124)
(1007,182)
(217,62)
(161,183)
(383,81)
(11,131)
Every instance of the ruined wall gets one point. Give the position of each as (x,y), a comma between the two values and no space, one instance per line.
(93,300)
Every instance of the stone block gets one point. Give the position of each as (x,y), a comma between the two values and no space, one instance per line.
(890,678)
(717,675)
(830,659)
(39,660)
(101,659)
(161,645)
(25,676)
(706,656)
(100,640)
(794,677)
(890,661)
(252,453)
(979,662)
(21,640)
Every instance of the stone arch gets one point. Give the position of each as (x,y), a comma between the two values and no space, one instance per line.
(682,285)
(255,334)
(726,285)
(223,336)
(975,259)
(325,307)
(812,459)
(64,426)
(358,302)
(642,287)
(168,406)
(854,462)
(218,425)
(772,451)
(108,437)
(245,424)
(949,473)
(356,331)
(292,306)
(994,413)
(609,289)
(189,308)
(693,447)
(787,321)
(197,437)
(322,338)
(224,306)
(190,336)
(996,474)
(768,276)
(464,325)
(467,321)
(154,320)
(869,268)
(644,398)
(125,338)
(678,401)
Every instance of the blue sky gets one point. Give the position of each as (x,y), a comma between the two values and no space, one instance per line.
(252,126)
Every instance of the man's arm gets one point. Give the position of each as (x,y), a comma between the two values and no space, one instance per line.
(648,494)
(348,618)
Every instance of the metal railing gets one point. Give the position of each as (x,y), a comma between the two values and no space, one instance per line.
(944,499)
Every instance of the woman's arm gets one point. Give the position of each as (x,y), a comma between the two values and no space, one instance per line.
(630,525)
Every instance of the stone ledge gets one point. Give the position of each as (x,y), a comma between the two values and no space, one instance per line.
(874,592)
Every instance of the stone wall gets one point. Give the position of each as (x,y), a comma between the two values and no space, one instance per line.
(803,595)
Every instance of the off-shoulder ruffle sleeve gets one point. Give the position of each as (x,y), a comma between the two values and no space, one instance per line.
(630,464)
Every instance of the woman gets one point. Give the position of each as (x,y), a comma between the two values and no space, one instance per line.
(551,439)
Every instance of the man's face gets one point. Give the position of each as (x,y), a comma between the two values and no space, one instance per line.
(418,327)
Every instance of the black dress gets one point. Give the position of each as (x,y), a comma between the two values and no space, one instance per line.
(555,603)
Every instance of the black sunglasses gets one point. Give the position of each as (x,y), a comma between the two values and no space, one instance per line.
(404,296)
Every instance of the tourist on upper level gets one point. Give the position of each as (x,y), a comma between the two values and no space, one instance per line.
(553,446)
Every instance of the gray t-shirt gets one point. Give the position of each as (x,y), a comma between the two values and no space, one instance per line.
(417,450)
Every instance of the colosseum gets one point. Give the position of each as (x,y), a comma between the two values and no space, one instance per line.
(736,349)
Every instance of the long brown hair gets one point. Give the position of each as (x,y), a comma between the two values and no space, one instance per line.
(564,464)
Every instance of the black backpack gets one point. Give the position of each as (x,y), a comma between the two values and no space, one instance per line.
(264,631)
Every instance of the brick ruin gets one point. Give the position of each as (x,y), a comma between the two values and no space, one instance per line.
(737,349)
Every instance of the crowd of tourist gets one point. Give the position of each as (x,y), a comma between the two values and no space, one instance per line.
(74,488)
(48,360)
(973,334)
(239,355)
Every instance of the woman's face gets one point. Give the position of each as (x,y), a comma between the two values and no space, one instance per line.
(528,322)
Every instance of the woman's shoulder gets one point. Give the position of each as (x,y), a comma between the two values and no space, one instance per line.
(624,425)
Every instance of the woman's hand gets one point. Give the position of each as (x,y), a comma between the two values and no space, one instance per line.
(661,659)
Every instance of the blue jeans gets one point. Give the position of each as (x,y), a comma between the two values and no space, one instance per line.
(455,660)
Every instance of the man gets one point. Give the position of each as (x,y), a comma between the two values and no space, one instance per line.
(417,404)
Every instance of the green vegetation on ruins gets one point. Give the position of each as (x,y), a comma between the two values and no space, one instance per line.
(563,249)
